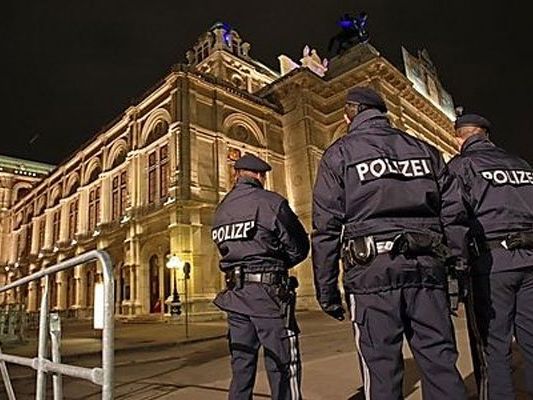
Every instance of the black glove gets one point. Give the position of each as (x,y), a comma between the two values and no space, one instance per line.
(520,240)
(334,310)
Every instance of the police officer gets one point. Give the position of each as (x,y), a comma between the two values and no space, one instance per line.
(260,238)
(498,189)
(385,202)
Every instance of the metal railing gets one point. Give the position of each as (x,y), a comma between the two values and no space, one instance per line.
(13,323)
(100,376)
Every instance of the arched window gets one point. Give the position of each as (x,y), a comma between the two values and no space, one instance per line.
(158,130)
(119,158)
(119,195)
(41,202)
(94,174)
(73,185)
(242,134)
(55,196)
(158,174)
(21,193)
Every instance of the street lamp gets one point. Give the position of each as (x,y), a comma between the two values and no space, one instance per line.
(186,277)
(174,263)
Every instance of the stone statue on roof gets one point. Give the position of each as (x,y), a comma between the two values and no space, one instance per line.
(353,31)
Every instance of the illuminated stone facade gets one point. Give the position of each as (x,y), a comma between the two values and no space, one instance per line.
(146,186)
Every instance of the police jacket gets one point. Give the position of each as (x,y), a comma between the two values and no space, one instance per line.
(256,229)
(380,181)
(498,189)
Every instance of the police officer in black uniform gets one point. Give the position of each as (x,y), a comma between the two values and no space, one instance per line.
(385,203)
(260,238)
(498,189)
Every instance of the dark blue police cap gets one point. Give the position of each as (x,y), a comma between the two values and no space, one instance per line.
(472,120)
(367,96)
(252,163)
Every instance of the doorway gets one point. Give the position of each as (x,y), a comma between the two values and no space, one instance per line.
(155,299)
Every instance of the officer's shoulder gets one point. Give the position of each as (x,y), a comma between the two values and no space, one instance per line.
(456,162)
(333,152)
(272,197)
(420,142)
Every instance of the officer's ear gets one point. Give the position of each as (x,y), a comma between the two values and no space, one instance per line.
(459,140)
(350,111)
(262,177)
(361,108)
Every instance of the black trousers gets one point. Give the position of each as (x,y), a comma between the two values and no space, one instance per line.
(282,356)
(500,305)
(380,321)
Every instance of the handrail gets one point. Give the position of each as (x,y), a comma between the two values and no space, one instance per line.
(101,376)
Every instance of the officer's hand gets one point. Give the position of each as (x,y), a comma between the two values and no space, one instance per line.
(334,310)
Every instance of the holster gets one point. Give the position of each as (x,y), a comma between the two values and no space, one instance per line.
(234,278)
(520,240)
(457,285)
(359,251)
(414,244)
(287,295)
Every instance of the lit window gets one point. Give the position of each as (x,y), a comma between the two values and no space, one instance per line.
(55,226)
(72,218)
(94,208)
(158,174)
(119,194)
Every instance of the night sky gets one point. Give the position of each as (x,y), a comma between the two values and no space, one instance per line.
(69,67)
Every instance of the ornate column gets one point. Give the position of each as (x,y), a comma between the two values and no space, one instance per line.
(83,211)
(61,287)
(33,286)
(63,222)
(34,247)
(105,198)
(132,260)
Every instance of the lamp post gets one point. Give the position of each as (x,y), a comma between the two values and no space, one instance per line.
(174,263)
(186,277)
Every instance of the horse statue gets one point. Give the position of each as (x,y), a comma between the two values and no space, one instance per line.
(353,31)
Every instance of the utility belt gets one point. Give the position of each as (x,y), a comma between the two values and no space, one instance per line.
(512,241)
(285,289)
(237,277)
(363,250)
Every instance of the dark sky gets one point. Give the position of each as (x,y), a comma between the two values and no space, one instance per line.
(69,67)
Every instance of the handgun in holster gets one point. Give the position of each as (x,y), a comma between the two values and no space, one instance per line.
(289,301)
(457,285)
(235,278)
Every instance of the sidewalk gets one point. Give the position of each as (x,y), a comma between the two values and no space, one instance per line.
(80,339)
